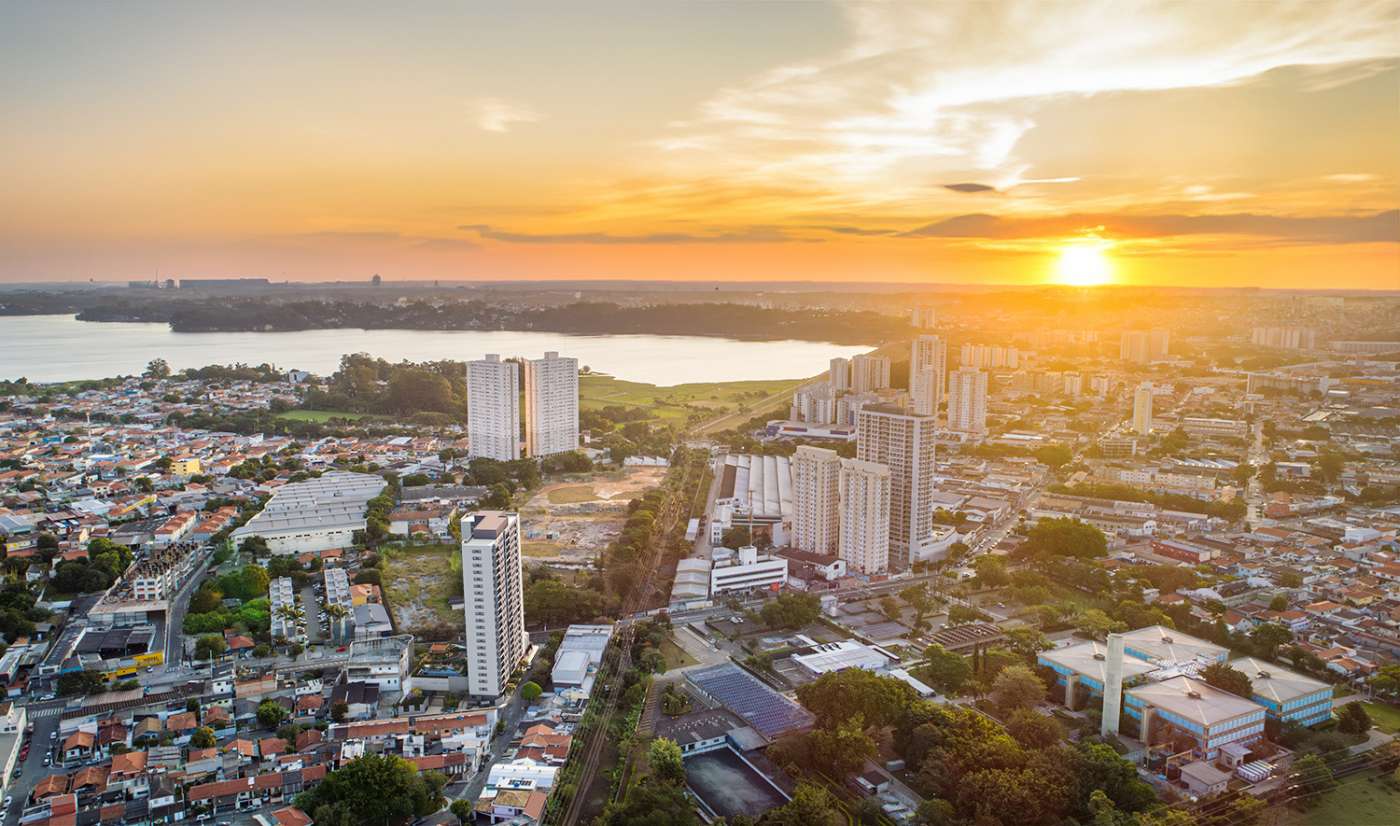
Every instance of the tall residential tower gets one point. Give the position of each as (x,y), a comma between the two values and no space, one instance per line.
(494,600)
(551,405)
(816,476)
(903,442)
(493,409)
(967,401)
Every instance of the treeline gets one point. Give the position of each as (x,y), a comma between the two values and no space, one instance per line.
(741,321)
(364,384)
(1232,510)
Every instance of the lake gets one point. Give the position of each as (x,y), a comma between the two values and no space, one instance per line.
(53,348)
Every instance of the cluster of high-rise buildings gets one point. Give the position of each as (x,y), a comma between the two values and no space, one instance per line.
(494,402)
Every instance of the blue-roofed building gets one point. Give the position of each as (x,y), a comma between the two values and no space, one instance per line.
(768,712)
(1209,717)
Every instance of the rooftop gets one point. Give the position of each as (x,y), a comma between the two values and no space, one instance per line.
(1194,700)
(1274,682)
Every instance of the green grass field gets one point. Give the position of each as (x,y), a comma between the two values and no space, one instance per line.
(418,581)
(572,494)
(1385,717)
(674,404)
(1361,800)
(675,655)
(323,416)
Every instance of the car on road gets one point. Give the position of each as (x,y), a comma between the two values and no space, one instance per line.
(8,800)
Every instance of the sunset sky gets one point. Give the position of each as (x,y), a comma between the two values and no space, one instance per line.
(1204,144)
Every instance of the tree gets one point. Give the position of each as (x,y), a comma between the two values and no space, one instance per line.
(838,696)
(1053,456)
(339,711)
(1353,719)
(1266,638)
(530,692)
(991,572)
(889,606)
(1278,603)
(791,610)
(842,751)
(203,738)
(462,810)
(1017,687)
(374,789)
(667,766)
(1386,681)
(963,615)
(1314,777)
(811,805)
(1290,579)
(271,714)
(157,369)
(1064,536)
(651,804)
(209,646)
(79,682)
(1228,678)
(946,671)
(1033,730)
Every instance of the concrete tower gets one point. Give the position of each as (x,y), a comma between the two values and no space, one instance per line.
(1112,686)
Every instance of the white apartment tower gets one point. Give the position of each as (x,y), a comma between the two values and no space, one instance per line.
(870,373)
(494,600)
(865,516)
(903,442)
(816,491)
(1144,346)
(551,405)
(1142,409)
(967,401)
(493,409)
(839,376)
(928,363)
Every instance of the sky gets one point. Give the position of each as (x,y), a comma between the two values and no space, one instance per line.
(1220,143)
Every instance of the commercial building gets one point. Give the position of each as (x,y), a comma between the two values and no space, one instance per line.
(928,364)
(839,656)
(756,491)
(579,656)
(493,409)
(1167,648)
(1144,346)
(870,373)
(745,570)
(904,443)
(314,515)
(1226,428)
(816,497)
(1142,409)
(493,595)
(1083,670)
(551,405)
(1287,696)
(967,401)
(863,501)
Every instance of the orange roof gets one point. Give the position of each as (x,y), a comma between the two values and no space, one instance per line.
(51,785)
(269,746)
(79,740)
(133,762)
(291,816)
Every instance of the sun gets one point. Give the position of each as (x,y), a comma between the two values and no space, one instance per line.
(1084,263)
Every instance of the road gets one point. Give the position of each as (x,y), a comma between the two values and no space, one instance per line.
(45,718)
(179,606)
(311,608)
(511,716)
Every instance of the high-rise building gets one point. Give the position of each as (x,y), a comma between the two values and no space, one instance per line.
(839,376)
(1286,338)
(904,443)
(967,401)
(494,600)
(493,409)
(551,405)
(928,361)
(923,317)
(1142,409)
(815,404)
(1074,385)
(816,477)
(988,356)
(865,492)
(1144,346)
(870,373)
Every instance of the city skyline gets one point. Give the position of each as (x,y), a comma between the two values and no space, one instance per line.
(1159,144)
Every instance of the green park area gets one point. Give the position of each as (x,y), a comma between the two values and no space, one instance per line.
(673,405)
(1360,800)
(323,416)
(1384,716)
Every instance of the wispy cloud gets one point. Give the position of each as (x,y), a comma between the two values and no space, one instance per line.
(1380,227)
(951,88)
(751,235)
(496,115)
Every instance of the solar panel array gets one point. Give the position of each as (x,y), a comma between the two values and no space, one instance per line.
(768,712)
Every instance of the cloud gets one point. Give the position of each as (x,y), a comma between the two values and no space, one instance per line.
(1380,227)
(751,235)
(496,115)
(949,89)
(970,187)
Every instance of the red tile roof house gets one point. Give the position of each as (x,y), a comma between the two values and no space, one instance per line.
(79,746)
(251,792)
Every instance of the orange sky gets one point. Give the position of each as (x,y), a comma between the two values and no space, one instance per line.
(1199,143)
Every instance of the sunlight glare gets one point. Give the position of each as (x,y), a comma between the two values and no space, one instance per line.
(1084,263)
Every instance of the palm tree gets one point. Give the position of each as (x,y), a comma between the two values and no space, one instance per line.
(335,612)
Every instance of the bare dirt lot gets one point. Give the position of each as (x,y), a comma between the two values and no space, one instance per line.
(571,521)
